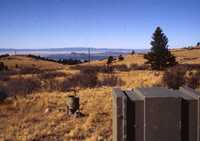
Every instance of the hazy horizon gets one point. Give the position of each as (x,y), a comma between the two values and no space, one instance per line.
(71,47)
(115,24)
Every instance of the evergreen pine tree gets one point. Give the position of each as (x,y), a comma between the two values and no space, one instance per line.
(109,63)
(160,57)
(110,60)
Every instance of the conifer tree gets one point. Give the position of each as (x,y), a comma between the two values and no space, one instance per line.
(160,57)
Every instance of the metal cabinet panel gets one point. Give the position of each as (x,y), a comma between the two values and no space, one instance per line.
(139,121)
(162,119)
(119,115)
(135,117)
(156,114)
(190,114)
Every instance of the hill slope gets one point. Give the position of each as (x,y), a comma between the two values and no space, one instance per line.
(42,115)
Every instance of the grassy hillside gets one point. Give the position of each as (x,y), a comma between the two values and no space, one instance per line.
(42,115)
(24,61)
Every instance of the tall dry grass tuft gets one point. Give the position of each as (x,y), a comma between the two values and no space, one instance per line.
(174,77)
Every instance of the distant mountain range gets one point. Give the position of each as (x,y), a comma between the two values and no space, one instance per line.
(80,53)
(73,49)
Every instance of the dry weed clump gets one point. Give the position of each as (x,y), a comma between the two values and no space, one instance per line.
(88,79)
(23,86)
(52,74)
(84,79)
(111,80)
(174,77)
(178,76)
(3,94)
(193,79)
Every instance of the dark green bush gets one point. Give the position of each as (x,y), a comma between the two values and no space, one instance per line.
(120,58)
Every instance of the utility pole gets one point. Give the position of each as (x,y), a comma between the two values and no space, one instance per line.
(89,55)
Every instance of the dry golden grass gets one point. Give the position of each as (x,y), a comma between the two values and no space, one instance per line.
(25,119)
(22,61)
(185,56)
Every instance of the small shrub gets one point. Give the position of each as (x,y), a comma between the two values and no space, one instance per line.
(174,77)
(88,78)
(3,94)
(193,80)
(110,60)
(133,52)
(16,66)
(84,79)
(4,55)
(3,67)
(120,58)
(111,80)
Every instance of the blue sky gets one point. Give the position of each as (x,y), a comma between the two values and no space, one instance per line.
(97,23)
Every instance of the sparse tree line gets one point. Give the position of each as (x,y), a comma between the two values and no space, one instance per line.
(193,46)
(4,55)
(60,61)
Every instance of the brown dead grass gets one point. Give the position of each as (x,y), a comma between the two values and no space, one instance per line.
(25,119)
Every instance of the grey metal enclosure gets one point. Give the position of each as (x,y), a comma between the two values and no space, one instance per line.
(162,114)
(193,112)
(155,114)
(119,105)
(135,117)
